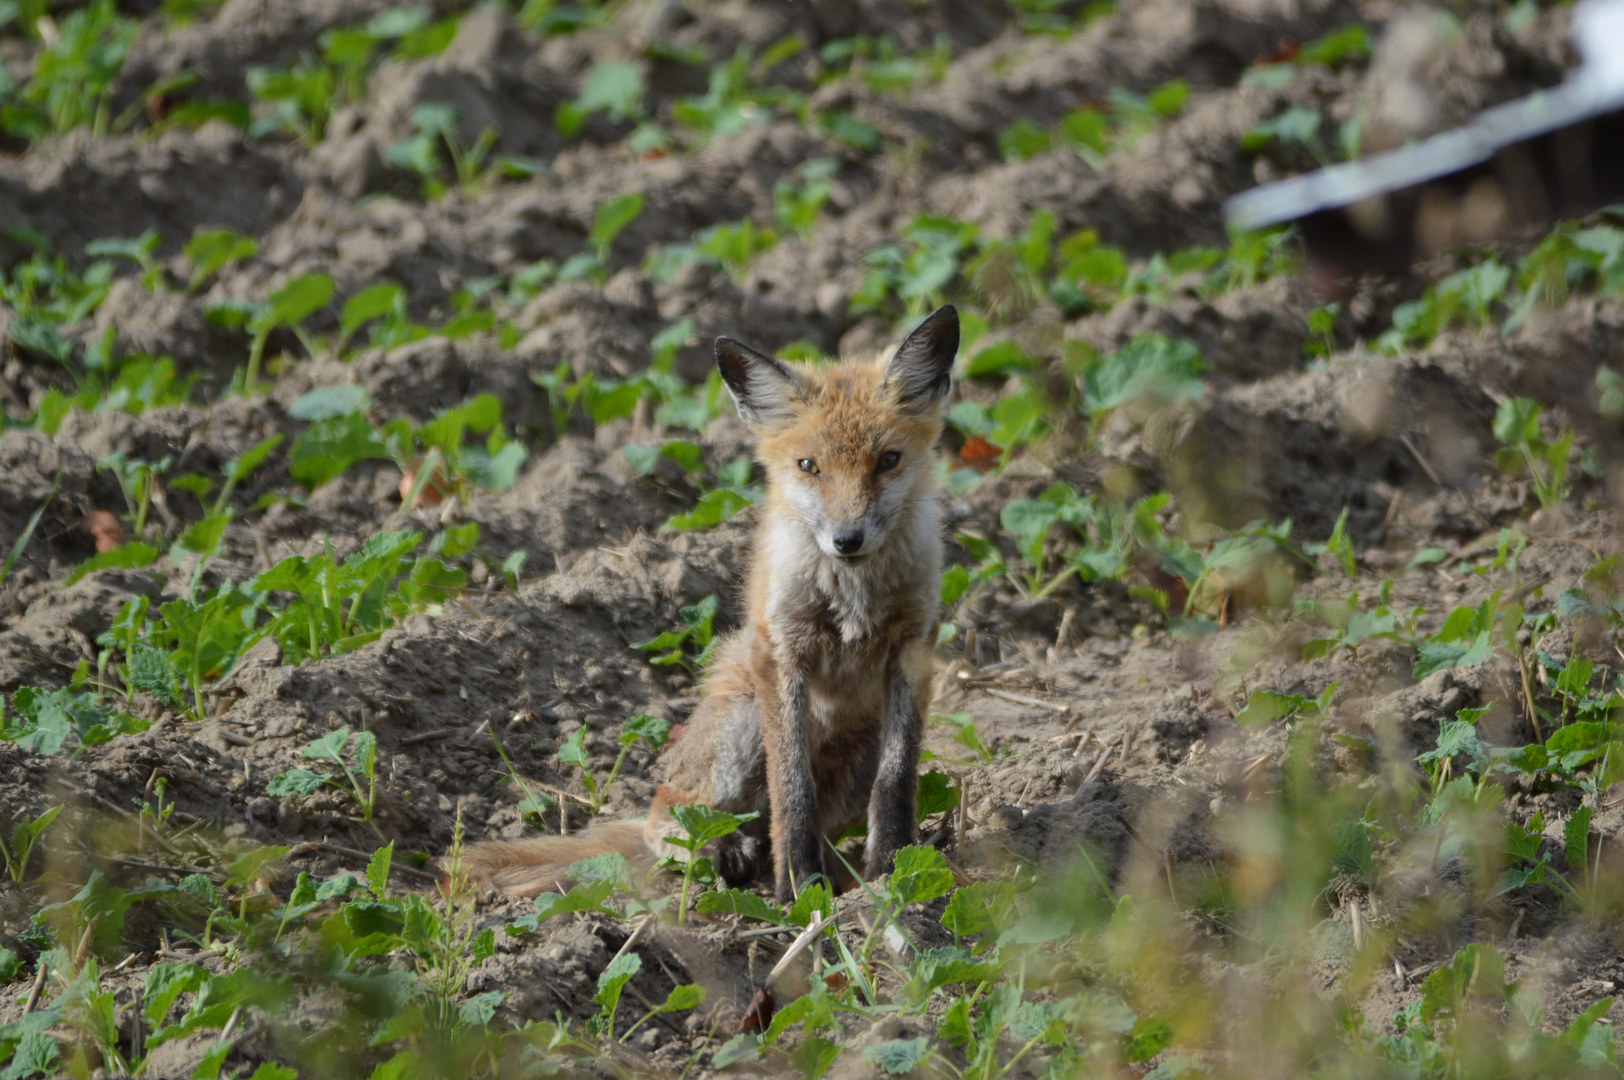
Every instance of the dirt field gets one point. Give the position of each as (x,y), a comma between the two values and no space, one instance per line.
(1273,881)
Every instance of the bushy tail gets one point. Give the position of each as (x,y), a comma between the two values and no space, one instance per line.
(532,867)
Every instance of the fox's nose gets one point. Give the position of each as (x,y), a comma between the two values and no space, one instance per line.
(849,541)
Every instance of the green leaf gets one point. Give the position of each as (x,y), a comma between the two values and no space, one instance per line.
(583,897)
(1576,839)
(1148,366)
(920,874)
(898,1056)
(739,1048)
(739,902)
(246,866)
(612,217)
(937,795)
(610,983)
(330,747)
(374,302)
(239,468)
(685,996)
(211,250)
(714,508)
(296,301)
(127,556)
(652,729)
(814,1056)
(296,782)
(704,824)
(378,869)
(328,447)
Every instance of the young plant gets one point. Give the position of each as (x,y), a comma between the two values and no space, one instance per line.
(437,126)
(1516,425)
(212,250)
(73,75)
(651,729)
(19,846)
(702,824)
(287,307)
(44,720)
(697,633)
(1029,522)
(614,87)
(137,480)
(357,760)
(732,494)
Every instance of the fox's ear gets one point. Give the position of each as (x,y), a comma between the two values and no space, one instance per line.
(764,389)
(921,372)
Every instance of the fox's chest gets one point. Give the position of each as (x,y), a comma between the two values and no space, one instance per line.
(846,692)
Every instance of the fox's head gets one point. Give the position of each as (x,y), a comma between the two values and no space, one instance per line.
(847,446)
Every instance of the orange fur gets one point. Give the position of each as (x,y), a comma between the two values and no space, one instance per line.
(812,712)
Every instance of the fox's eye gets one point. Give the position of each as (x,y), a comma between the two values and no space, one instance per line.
(888,460)
(807,465)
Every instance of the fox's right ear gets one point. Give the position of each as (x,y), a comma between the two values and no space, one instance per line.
(764,389)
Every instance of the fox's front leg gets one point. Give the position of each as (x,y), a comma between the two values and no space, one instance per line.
(891,807)
(797,846)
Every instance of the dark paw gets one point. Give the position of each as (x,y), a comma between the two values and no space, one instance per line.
(738,859)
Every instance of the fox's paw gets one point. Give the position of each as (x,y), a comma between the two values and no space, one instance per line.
(738,859)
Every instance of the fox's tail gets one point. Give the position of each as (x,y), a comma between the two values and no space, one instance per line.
(532,867)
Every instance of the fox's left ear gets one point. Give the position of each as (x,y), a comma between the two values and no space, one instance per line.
(921,373)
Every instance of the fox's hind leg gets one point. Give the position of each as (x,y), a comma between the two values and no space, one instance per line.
(718,762)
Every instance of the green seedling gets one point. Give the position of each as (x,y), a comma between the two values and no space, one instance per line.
(609,222)
(733,493)
(1523,447)
(1151,367)
(241,467)
(212,250)
(45,720)
(1466,296)
(966,735)
(681,998)
(27,533)
(701,824)
(1466,637)
(795,209)
(596,880)
(691,644)
(614,87)
(437,127)
(137,480)
(611,981)
(73,75)
(341,606)
(651,729)
(1322,330)
(534,804)
(918,273)
(356,758)
(288,307)
(25,834)
(1526,844)
(1267,706)
(435,455)
(448,944)
(1029,522)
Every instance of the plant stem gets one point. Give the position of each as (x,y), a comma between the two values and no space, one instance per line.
(256,352)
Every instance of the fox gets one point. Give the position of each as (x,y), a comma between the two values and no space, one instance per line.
(812,713)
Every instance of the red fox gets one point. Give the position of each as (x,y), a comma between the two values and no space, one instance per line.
(812,712)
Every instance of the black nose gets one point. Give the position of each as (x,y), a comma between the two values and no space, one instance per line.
(849,541)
